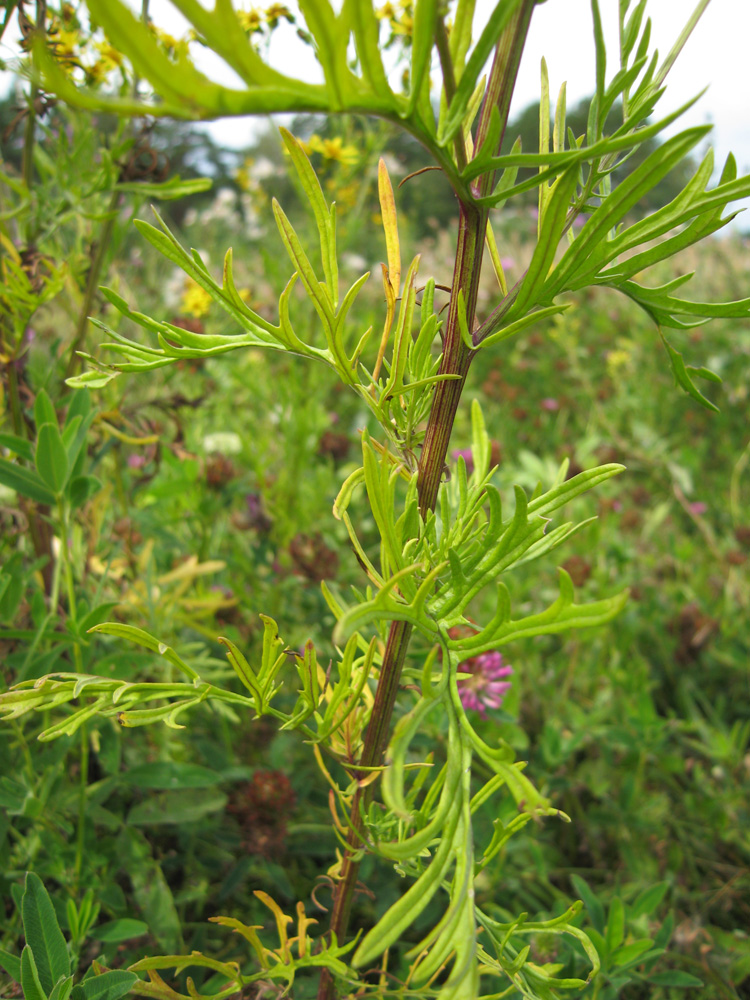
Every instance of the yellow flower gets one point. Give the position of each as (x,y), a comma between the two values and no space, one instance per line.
(346,195)
(275,12)
(65,43)
(250,20)
(196,301)
(173,46)
(334,149)
(617,360)
(401,20)
(313,145)
(109,60)
(243,176)
(109,53)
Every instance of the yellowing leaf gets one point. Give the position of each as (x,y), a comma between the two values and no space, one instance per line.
(281,921)
(390,226)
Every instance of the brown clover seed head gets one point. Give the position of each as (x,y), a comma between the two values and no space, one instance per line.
(219,471)
(312,558)
(335,444)
(262,807)
(578,569)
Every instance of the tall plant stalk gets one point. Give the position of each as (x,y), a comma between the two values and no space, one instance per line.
(457,358)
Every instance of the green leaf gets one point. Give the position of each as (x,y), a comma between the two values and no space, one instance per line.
(176,807)
(25,481)
(91,379)
(119,930)
(44,411)
(566,491)
(11,964)
(366,29)
(13,795)
(628,953)
(152,892)
(682,375)
(62,990)
(616,206)
(18,445)
(593,906)
(30,983)
(110,985)
(664,934)
(82,488)
(51,458)
(74,436)
(174,188)
(648,900)
(171,775)
(497,331)
(674,977)
(143,638)
(79,406)
(330,48)
(324,219)
(43,934)
(94,617)
(615,925)
(552,224)
(601,58)
(318,294)
(474,66)
(425,13)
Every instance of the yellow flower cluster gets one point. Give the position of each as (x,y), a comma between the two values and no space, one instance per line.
(247,183)
(333,150)
(175,47)
(253,20)
(195,301)
(400,16)
(109,59)
(76,49)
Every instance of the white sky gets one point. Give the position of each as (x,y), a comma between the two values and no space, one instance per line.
(715,56)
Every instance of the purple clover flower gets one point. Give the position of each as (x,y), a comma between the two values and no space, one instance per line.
(485,688)
(467,456)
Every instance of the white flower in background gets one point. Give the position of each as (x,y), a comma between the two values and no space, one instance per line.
(225,442)
(263,168)
(395,167)
(222,209)
(174,288)
(252,226)
(354,262)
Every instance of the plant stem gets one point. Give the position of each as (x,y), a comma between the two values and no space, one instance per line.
(38,527)
(16,411)
(27,157)
(374,745)
(456,361)
(83,783)
(65,538)
(27,160)
(92,283)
